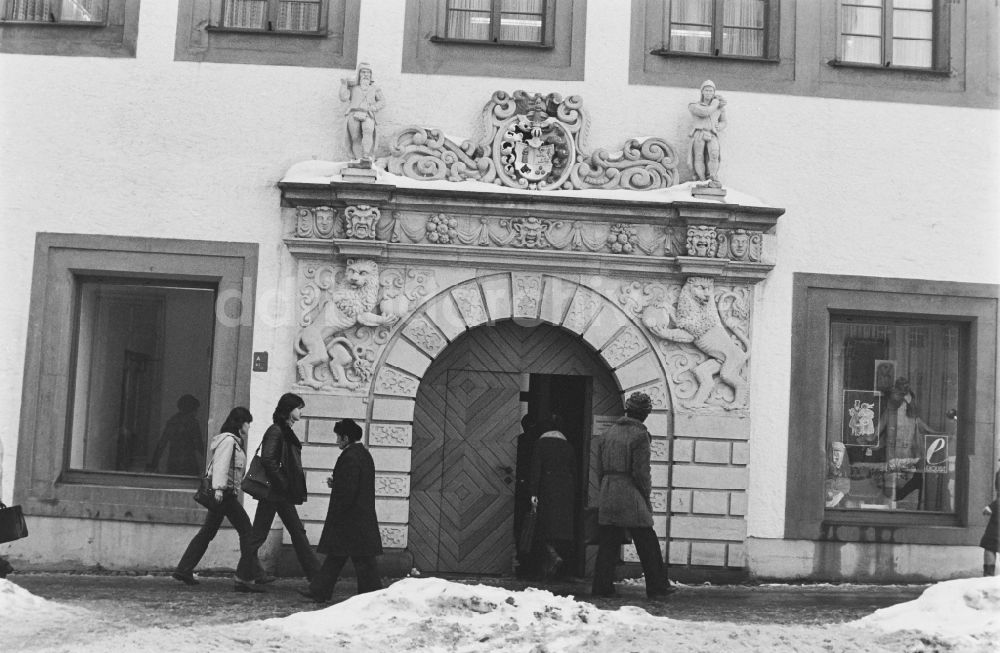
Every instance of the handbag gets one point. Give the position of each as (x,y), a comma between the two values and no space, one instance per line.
(206,495)
(527,538)
(12,524)
(255,483)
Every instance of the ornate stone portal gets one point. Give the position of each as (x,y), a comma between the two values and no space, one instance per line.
(659,284)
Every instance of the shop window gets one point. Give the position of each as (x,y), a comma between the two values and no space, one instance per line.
(892,415)
(139,348)
(142,373)
(542,39)
(505,22)
(893,390)
(83,28)
(309,33)
(719,28)
(889,33)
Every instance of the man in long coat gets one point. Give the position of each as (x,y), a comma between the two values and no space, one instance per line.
(351,528)
(623,455)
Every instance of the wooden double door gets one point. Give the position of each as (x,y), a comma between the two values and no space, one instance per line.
(466,423)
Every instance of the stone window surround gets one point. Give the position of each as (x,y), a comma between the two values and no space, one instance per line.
(115,37)
(200,39)
(561,57)
(42,484)
(815,296)
(806,59)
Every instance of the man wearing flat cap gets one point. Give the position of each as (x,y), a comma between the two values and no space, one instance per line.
(351,528)
(623,455)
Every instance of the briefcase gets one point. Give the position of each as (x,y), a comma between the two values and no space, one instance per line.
(12,524)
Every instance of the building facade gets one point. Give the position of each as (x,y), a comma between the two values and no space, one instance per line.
(537,207)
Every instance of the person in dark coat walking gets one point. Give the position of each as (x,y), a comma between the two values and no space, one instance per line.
(990,541)
(553,494)
(526,562)
(623,455)
(351,527)
(281,457)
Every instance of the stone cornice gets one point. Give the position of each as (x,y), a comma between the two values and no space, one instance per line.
(388,197)
(553,261)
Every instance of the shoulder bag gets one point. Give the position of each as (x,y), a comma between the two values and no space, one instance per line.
(255,482)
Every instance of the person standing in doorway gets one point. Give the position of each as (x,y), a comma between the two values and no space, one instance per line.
(351,528)
(281,457)
(553,468)
(623,455)
(526,564)
(226,471)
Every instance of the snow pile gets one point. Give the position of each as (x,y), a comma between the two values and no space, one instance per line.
(22,614)
(323,172)
(968,607)
(433,615)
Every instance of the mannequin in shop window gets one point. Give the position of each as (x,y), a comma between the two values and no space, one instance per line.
(902,430)
(838,476)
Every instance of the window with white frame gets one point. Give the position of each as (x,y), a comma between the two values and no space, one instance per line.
(719,28)
(273,15)
(496,21)
(55,11)
(888,33)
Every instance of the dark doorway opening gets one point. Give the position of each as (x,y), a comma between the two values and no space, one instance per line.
(570,397)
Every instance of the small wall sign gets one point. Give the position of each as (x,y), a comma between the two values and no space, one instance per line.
(260,361)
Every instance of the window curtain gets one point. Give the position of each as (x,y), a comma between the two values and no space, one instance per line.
(743,28)
(521,20)
(861,32)
(469,19)
(41,10)
(691,25)
(250,14)
(913,33)
(298,16)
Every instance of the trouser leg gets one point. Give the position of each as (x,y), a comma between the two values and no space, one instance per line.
(262,521)
(366,570)
(648,549)
(609,546)
(297,532)
(322,582)
(199,543)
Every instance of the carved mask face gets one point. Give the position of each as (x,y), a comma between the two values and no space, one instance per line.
(740,244)
(324,222)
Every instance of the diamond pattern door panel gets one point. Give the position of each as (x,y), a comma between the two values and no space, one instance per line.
(477,489)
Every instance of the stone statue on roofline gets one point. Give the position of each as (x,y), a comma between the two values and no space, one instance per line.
(364,99)
(709,120)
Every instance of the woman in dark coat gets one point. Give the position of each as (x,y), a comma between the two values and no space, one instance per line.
(281,457)
(553,494)
(990,541)
(351,528)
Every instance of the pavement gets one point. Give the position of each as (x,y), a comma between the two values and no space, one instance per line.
(157,600)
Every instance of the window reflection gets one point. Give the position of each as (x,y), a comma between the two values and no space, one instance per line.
(143,374)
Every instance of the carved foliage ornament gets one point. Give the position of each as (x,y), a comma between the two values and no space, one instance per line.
(533,141)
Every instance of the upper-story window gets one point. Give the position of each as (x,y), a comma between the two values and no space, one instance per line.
(496,21)
(719,28)
(889,33)
(273,15)
(55,11)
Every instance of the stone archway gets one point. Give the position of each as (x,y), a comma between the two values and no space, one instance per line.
(529,298)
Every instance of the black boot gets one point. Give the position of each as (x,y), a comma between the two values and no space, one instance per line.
(989,570)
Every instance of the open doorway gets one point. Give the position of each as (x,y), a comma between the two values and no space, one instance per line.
(570,397)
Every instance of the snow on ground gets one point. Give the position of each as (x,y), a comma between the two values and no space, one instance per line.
(432,615)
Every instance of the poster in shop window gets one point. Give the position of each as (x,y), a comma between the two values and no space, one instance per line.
(861,413)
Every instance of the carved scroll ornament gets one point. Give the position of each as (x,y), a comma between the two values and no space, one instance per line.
(533,142)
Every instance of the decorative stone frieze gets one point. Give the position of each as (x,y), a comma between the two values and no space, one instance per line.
(533,142)
(527,291)
(390,435)
(392,485)
(702,241)
(582,310)
(703,337)
(740,245)
(623,239)
(659,450)
(360,221)
(626,345)
(393,537)
(530,232)
(441,229)
(315,222)
(421,333)
(470,304)
(391,381)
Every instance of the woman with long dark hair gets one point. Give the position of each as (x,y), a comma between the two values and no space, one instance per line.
(225,469)
(281,457)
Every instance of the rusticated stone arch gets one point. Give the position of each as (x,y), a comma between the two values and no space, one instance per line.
(528,299)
